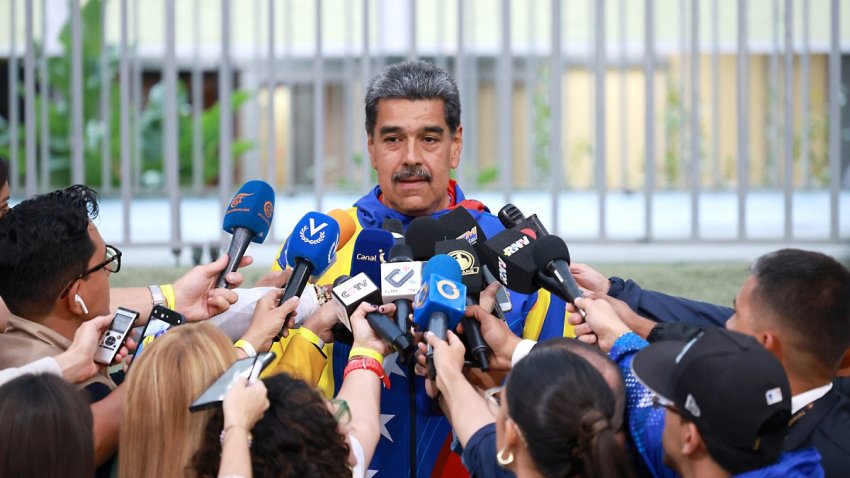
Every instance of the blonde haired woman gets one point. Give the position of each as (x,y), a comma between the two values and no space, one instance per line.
(159,434)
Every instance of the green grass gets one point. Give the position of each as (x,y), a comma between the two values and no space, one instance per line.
(711,282)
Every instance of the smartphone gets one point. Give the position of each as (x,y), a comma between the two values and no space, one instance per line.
(159,322)
(248,367)
(114,337)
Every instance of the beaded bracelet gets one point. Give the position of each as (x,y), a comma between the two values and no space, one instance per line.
(224,434)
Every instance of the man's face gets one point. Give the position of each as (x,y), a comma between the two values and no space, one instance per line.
(4,199)
(94,288)
(671,439)
(744,319)
(413,152)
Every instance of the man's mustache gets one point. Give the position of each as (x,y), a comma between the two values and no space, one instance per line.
(410,173)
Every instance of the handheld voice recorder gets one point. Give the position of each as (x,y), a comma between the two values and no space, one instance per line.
(113,338)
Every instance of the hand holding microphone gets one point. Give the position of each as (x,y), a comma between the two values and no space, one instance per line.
(248,218)
(310,250)
(440,302)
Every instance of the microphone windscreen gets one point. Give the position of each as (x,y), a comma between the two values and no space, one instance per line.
(314,239)
(346,226)
(459,224)
(510,216)
(422,233)
(464,254)
(400,253)
(547,249)
(251,208)
(442,265)
(394,226)
(370,250)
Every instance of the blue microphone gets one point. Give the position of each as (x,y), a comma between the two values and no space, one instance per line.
(371,249)
(310,250)
(248,218)
(441,301)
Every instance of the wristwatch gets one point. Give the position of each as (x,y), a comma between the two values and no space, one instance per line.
(156,295)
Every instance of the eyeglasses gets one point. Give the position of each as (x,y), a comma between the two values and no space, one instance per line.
(659,402)
(493,396)
(111,263)
(340,410)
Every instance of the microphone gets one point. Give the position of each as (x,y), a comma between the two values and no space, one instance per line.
(462,252)
(346,226)
(311,249)
(552,259)
(509,255)
(440,302)
(248,218)
(396,228)
(346,231)
(370,249)
(351,292)
(459,224)
(422,233)
(512,218)
(401,278)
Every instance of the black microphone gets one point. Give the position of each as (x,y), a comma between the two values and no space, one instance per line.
(395,227)
(459,224)
(354,291)
(510,216)
(422,233)
(248,218)
(552,259)
(463,252)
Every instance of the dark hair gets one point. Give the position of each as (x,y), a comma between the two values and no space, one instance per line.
(45,429)
(4,172)
(601,362)
(564,409)
(297,436)
(44,244)
(413,80)
(808,294)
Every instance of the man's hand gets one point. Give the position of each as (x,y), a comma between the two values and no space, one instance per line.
(274,279)
(498,336)
(601,321)
(77,363)
(322,321)
(487,298)
(364,336)
(590,279)
(195,295)
(244,404)
(268,319)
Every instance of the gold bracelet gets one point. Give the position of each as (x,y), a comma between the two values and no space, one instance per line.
(366,352)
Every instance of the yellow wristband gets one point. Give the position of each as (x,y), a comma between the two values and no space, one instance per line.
(168,293)
(246,346)
(366,352)
(309,335)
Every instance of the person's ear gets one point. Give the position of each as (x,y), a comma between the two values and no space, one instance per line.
(74,302)
(772,343)
(456,148)
(691,438)
(370,145)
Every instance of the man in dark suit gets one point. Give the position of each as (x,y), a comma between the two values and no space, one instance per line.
(797,305)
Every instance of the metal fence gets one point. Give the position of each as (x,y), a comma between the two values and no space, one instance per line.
(138,118)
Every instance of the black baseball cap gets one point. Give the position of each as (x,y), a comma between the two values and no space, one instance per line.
(732,388)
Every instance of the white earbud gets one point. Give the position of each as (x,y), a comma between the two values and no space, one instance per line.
(79,300)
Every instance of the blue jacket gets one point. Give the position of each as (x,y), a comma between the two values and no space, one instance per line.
(416,436)
(646,426)
(667,308)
